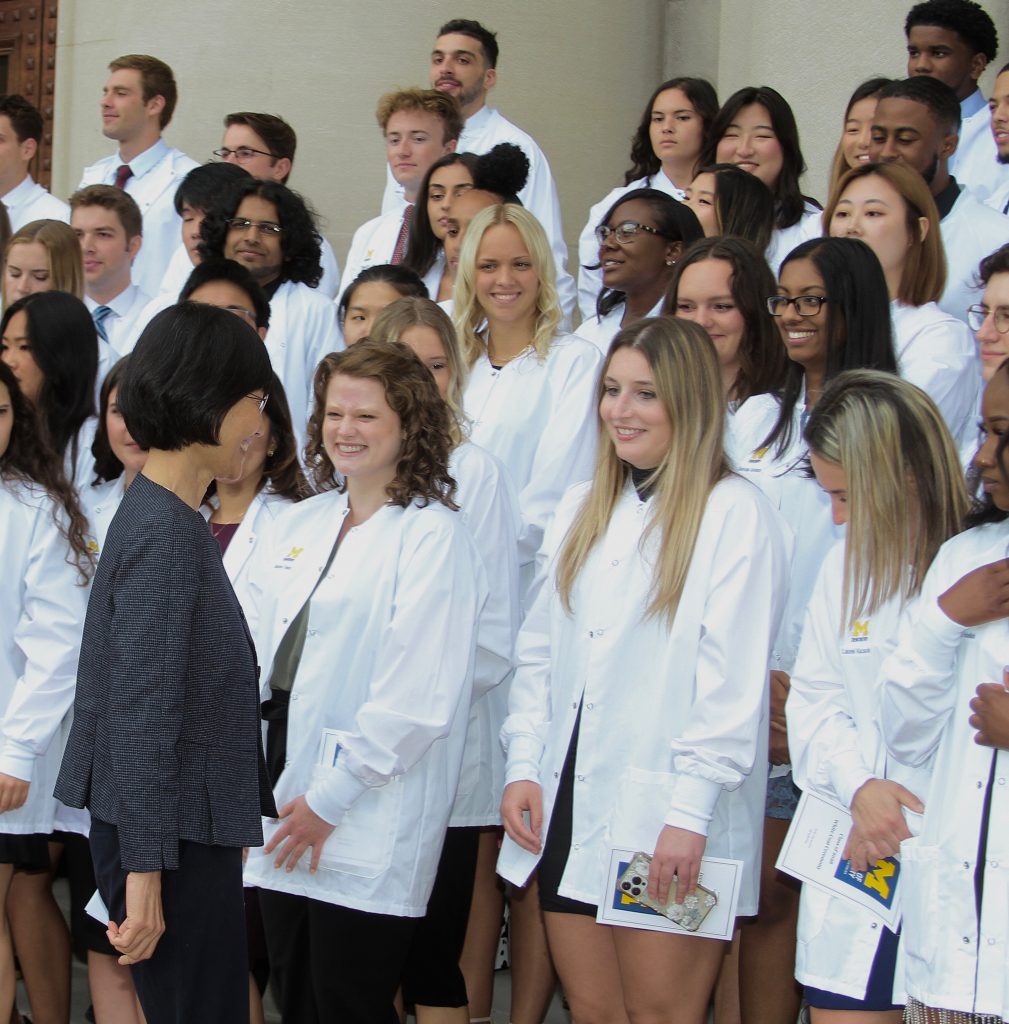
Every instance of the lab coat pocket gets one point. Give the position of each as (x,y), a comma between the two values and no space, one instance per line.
(919,881)
(643,799)
(363,842)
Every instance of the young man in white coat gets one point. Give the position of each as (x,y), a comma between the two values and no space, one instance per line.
(464,65)
(916,124)
(137,104)
(271,232)
(419,127)
(999,107)
(20,134)
(953,41)
(109,227)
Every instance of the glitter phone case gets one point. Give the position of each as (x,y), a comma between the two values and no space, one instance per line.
(689,914)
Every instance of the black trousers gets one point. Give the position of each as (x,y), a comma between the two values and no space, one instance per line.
(200,969)
(333,964)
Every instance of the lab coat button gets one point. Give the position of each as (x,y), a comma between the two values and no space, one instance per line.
(966,940)
(295,696)
(993,863)
(581,778)
(966,865)
(590,706)
(287,763)
(574,704)
(874,925)
(312,632)
(980,784)
(991,942)
(577,846)
(557,775)
(284,621)
(1001,782)
(599,633)
(616,561)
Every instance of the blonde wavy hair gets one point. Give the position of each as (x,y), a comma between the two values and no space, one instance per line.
(400,316)
(906,491)
(469,315)
(66,264)
(688,383)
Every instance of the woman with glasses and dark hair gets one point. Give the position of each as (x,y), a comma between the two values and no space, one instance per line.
(665,150)
(890,208)
(165,659)
(641,239)
(832,313)
(756,130)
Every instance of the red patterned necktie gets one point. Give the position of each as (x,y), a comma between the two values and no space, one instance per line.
(123,174)
(404,233)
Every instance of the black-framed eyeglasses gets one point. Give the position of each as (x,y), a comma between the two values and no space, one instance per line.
(805,305)
(261,402)
(624,231)
(242,154)
(267,227)
(976,316)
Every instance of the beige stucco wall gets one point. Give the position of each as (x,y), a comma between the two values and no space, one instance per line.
(574,73)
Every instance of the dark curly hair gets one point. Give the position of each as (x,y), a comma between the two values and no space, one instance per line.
(700,92)
(503,171)
(423,246)
(30,460)
(970,21)
(301,242)
(422,470)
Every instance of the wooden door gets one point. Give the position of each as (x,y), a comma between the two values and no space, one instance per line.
(28,66)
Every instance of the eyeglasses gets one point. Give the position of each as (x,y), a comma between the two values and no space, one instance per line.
(245,314)
(243,154)
(261,402)
(805,305)
(623,232)
(267,227)
(976,316)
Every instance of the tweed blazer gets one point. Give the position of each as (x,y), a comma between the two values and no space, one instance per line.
(166,740)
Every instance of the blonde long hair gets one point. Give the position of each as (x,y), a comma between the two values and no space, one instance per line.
(688,383)
(906,491)
(469,314)
(66,265)
(400,316)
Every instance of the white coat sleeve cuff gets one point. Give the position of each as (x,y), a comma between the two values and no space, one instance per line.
(17,760)
(333,793)
(693,803)
(936,635)
(847,776)
(524,753)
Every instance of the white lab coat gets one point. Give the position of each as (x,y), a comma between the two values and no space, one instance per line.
(489,507)
(590,281)
(685,744)
(29,201)
(784,240)
(805,508)
(936,352)
(481,133)
(154,192)
(970,231)
(601,332)
(836,746)
(126,322)
(951,960)
(373,243)
(82,471)
(975,162)
(302,331)
(378,670)
(539,418)
(42,606)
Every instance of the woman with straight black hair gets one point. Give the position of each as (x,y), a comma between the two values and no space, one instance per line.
(641,238)
(370,292)
(856,131)
(729,201)
(832,310)
(50,343)
(756,130)
(665,150)
(166,657)
(722,284)
(448,178)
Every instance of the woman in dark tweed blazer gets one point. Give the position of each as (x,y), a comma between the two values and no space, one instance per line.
(165,748)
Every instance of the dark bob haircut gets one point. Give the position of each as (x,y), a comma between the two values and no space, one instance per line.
(858,319)
(192,363)
(234,273)
(700,92)
(397,275)
(204,186)
(301,242)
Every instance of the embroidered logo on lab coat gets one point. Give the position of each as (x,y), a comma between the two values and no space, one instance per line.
(858,641)
(758,454)
(92,546)
(290,557)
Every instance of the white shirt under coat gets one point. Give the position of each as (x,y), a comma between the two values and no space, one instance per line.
(936,352)
(489,507)
(590,278)
(970,231)
(952,959)
(836,747)
(538,416)
(686,744)
(975,162)
(377,669)
(600,332)
(124,325)
(29,201)
(157,173)
(784,240)
(374,243)
(42,606)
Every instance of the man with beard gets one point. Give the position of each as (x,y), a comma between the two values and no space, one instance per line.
(916,123)
(271,232)
(999,106)
(464,65)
